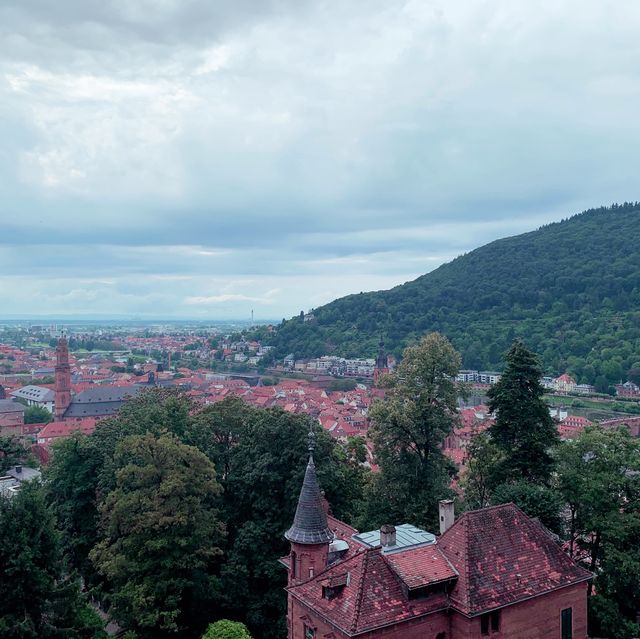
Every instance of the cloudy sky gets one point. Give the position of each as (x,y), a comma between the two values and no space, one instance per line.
(202,158)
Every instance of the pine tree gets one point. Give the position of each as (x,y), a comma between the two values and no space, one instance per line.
(524,430)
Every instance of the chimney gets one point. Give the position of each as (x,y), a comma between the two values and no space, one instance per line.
(18,469)
(447,514)
(387,535)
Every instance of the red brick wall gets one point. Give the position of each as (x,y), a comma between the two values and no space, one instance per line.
(537,618)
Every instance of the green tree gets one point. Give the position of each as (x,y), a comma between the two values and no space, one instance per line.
(599,479)
(408,429)
(524,431)
(71,483)
(537,501)
(37,415)
(225,629)
(37,599)
(162,536)
(482,457)
(12,452)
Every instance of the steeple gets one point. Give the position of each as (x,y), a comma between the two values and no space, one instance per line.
(382,363)
(310,522)
(62,379)
(382,360)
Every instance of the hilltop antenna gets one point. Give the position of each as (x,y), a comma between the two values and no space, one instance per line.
(252,316)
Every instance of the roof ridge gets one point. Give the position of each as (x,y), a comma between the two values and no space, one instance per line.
(360,592)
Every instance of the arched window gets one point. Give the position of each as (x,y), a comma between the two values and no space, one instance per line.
(294,564)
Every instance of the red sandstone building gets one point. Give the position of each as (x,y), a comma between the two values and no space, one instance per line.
(493,573)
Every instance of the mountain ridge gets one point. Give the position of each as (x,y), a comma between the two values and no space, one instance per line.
(570,289)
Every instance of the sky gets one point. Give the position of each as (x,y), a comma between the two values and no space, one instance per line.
(203,159)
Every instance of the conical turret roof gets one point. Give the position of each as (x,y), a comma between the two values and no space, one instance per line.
(310,522)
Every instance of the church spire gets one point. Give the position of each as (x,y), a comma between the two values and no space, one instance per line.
(310,522)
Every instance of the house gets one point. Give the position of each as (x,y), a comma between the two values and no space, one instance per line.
(492,573)
(36,396)
(565,384)
(11,417)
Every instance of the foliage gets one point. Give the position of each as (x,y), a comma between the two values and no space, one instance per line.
(408,429)
(523,431)
(37,415)
(599,479)
(12,452)
(342,385)
(261,457)
(571,288)
(477,481)
(162,534)
(71,480)
(539,502)
(225,629)
(37,600)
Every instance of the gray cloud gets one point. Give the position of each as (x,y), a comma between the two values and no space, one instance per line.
(155,152)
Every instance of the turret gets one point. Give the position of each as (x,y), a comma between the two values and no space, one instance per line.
(62,379)
(310,534)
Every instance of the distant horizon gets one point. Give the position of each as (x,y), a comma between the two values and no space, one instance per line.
(206,159)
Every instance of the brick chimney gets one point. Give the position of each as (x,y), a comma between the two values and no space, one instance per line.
(447,514)
(387,535)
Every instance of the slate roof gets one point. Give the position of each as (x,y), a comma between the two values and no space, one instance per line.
(35,393)
(9,406)
(310,522)
(503,556)
(99,401)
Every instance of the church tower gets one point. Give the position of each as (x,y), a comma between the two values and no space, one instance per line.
(310,534)
(382,363)
(62,379)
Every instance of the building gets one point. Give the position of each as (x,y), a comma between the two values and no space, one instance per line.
(492,573)
(11,417)
(62,376)
(36,396)
(565,384)
(382,364)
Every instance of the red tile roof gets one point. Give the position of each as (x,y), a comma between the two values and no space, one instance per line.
(420,567)
(503,556)
(373,597)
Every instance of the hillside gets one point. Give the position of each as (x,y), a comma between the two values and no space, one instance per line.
(571,289)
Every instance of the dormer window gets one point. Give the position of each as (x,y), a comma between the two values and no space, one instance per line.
(333,586)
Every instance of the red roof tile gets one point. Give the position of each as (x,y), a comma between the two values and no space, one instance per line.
(503,556)
(419,567)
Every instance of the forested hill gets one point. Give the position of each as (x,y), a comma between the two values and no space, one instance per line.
(571,289)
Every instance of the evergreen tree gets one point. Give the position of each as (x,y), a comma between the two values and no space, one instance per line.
(524,431)
(37,599)
(408,429)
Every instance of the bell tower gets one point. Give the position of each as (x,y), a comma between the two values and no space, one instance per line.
(382,363)
(62,379)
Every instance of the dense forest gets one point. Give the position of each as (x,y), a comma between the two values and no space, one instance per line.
(570,289)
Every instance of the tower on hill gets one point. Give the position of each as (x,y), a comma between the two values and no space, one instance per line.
(62,379)
(382,363)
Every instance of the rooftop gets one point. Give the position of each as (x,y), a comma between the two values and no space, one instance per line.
(407,536)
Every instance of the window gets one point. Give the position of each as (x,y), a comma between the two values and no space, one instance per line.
(309,632)
(441,635)
(490,623)
(495,621)
(566,618)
